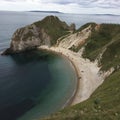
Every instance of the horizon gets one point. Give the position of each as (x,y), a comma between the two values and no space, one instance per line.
(68,6)
(61,12)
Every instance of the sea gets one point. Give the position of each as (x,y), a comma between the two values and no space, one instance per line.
(36,84)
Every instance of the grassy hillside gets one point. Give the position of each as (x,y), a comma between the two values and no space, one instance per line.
(111,57)
(104,104)
(100,38)
(86,25)
(53,27)
(105,40)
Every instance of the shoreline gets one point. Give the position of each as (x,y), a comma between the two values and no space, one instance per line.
(87,74)
(71,99)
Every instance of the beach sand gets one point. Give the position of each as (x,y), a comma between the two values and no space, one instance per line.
(87,74)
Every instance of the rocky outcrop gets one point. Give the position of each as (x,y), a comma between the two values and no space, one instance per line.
(76,39)
(45,32)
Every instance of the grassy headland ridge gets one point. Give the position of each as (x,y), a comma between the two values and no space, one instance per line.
(53,27)
(44,32)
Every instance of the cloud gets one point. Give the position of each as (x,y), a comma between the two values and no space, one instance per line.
(81,3)
(106,3)
(87,3)
(14,0)
(59,1)
(68,6)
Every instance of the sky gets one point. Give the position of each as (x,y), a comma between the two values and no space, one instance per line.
(65,6)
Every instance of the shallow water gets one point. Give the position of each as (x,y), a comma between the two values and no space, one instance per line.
(34,83)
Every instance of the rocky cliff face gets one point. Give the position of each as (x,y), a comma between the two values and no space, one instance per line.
(45,32)
(77,39)
(26,38)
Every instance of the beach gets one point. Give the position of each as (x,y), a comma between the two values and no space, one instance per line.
(87,74)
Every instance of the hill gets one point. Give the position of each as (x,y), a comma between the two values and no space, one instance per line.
(45,11)
(44,32)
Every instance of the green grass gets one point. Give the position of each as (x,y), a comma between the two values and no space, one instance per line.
(104,104)
(108,36)
(99,39)
(86,25)
(75,48)
(53,27)
(111,57)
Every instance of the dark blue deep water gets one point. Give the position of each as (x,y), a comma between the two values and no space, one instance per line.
(22,79)
(35,84)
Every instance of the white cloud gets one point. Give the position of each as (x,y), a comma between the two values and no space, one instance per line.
(67,6)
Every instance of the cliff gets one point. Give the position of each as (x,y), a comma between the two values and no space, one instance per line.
(44,32)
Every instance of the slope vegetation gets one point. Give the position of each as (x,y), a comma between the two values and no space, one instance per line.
(103,46)
(53,27)
(44,32)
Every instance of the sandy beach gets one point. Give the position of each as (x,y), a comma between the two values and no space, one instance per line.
(87,74)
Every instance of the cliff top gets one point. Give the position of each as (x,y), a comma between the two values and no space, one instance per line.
(54,27)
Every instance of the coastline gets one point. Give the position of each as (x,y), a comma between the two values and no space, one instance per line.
(88,78)
(71,99)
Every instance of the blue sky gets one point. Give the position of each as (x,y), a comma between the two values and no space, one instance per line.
(66,6)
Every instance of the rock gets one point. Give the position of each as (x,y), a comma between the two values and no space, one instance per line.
(7,52)
(72,27)
(45,32)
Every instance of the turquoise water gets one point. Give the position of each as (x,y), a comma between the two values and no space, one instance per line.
(60,89)
(35,84)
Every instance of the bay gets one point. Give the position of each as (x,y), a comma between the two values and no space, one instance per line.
(35,84)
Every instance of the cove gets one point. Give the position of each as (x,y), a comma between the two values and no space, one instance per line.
(34,84)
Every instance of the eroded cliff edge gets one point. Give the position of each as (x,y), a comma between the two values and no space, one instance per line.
(44,32)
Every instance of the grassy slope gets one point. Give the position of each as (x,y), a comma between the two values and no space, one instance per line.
(104,104)
(108,36)
(85,26)
(77,48)
(111,57)
(53,27)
